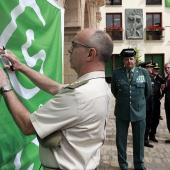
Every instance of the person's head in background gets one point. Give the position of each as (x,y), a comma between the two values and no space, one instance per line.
(129,59)
(155,70)
(148,66)
(167,68)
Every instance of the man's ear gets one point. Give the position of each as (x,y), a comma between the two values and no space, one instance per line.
(92,54)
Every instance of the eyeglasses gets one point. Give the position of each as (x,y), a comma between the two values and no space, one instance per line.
(74,44)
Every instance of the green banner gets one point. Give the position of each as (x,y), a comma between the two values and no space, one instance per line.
(167,3)
(33,31)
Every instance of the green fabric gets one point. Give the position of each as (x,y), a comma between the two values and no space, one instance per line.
(33,32)
(167,3)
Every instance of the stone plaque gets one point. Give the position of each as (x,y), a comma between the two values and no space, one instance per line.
(134,23)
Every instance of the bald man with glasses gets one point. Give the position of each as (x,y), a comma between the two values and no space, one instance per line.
(78,111)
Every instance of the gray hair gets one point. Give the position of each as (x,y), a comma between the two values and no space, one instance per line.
(166,64)
(103,44)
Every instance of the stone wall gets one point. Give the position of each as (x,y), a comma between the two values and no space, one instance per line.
(79,14)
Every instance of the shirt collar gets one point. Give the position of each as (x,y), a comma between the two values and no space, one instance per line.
(92,75)
(133,69)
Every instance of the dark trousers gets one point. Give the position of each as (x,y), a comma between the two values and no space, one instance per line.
(167,111)
(148,125)
(155,116)
(138,129)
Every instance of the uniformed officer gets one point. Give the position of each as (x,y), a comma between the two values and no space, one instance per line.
(157,95)
(131,86)
(149,104)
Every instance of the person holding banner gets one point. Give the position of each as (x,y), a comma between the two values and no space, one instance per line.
(74,114)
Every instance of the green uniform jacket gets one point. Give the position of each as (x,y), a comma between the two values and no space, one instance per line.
(131,96)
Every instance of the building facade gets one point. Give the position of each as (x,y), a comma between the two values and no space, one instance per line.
(79,14)
(143,25)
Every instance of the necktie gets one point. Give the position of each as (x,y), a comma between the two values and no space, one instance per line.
(130,76)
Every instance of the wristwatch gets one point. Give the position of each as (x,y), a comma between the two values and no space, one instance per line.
(5,88)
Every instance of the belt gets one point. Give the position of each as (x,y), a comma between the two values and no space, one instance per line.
(49,167)
(52,167)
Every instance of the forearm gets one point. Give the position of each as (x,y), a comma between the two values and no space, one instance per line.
(40,80)
(19,113)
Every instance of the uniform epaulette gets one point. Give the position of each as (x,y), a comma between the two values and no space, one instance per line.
(76,84)
(117,68)
(141,68)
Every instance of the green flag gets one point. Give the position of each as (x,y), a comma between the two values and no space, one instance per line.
(167,3)
(33,31)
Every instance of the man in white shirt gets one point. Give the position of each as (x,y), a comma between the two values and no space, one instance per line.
(79,111)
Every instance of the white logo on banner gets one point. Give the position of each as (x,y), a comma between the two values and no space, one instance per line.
(31,61)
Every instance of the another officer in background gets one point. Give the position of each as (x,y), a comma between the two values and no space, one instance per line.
(149,104)
(166,91)
(157,95)
(130,86)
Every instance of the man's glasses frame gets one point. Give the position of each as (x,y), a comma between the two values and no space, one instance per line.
(83,45)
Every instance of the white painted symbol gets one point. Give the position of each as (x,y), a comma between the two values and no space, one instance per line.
(31,61)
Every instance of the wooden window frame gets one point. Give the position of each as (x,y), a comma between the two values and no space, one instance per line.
(115,34)
(153,3)
(154,35)
(114,3)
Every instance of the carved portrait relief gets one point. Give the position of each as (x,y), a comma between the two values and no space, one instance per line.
(134,23)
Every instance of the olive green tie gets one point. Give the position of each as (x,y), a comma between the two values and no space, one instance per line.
(130,75)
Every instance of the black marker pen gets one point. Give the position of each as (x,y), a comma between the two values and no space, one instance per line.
(12,69)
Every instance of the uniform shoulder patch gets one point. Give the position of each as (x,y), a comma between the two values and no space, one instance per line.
(141,68)
(76,84)
(117,68)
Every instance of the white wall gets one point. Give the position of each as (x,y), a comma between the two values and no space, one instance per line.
(145,47)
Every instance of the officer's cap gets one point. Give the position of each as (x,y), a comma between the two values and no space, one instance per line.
(129,52)
(146,64)
(156,67)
